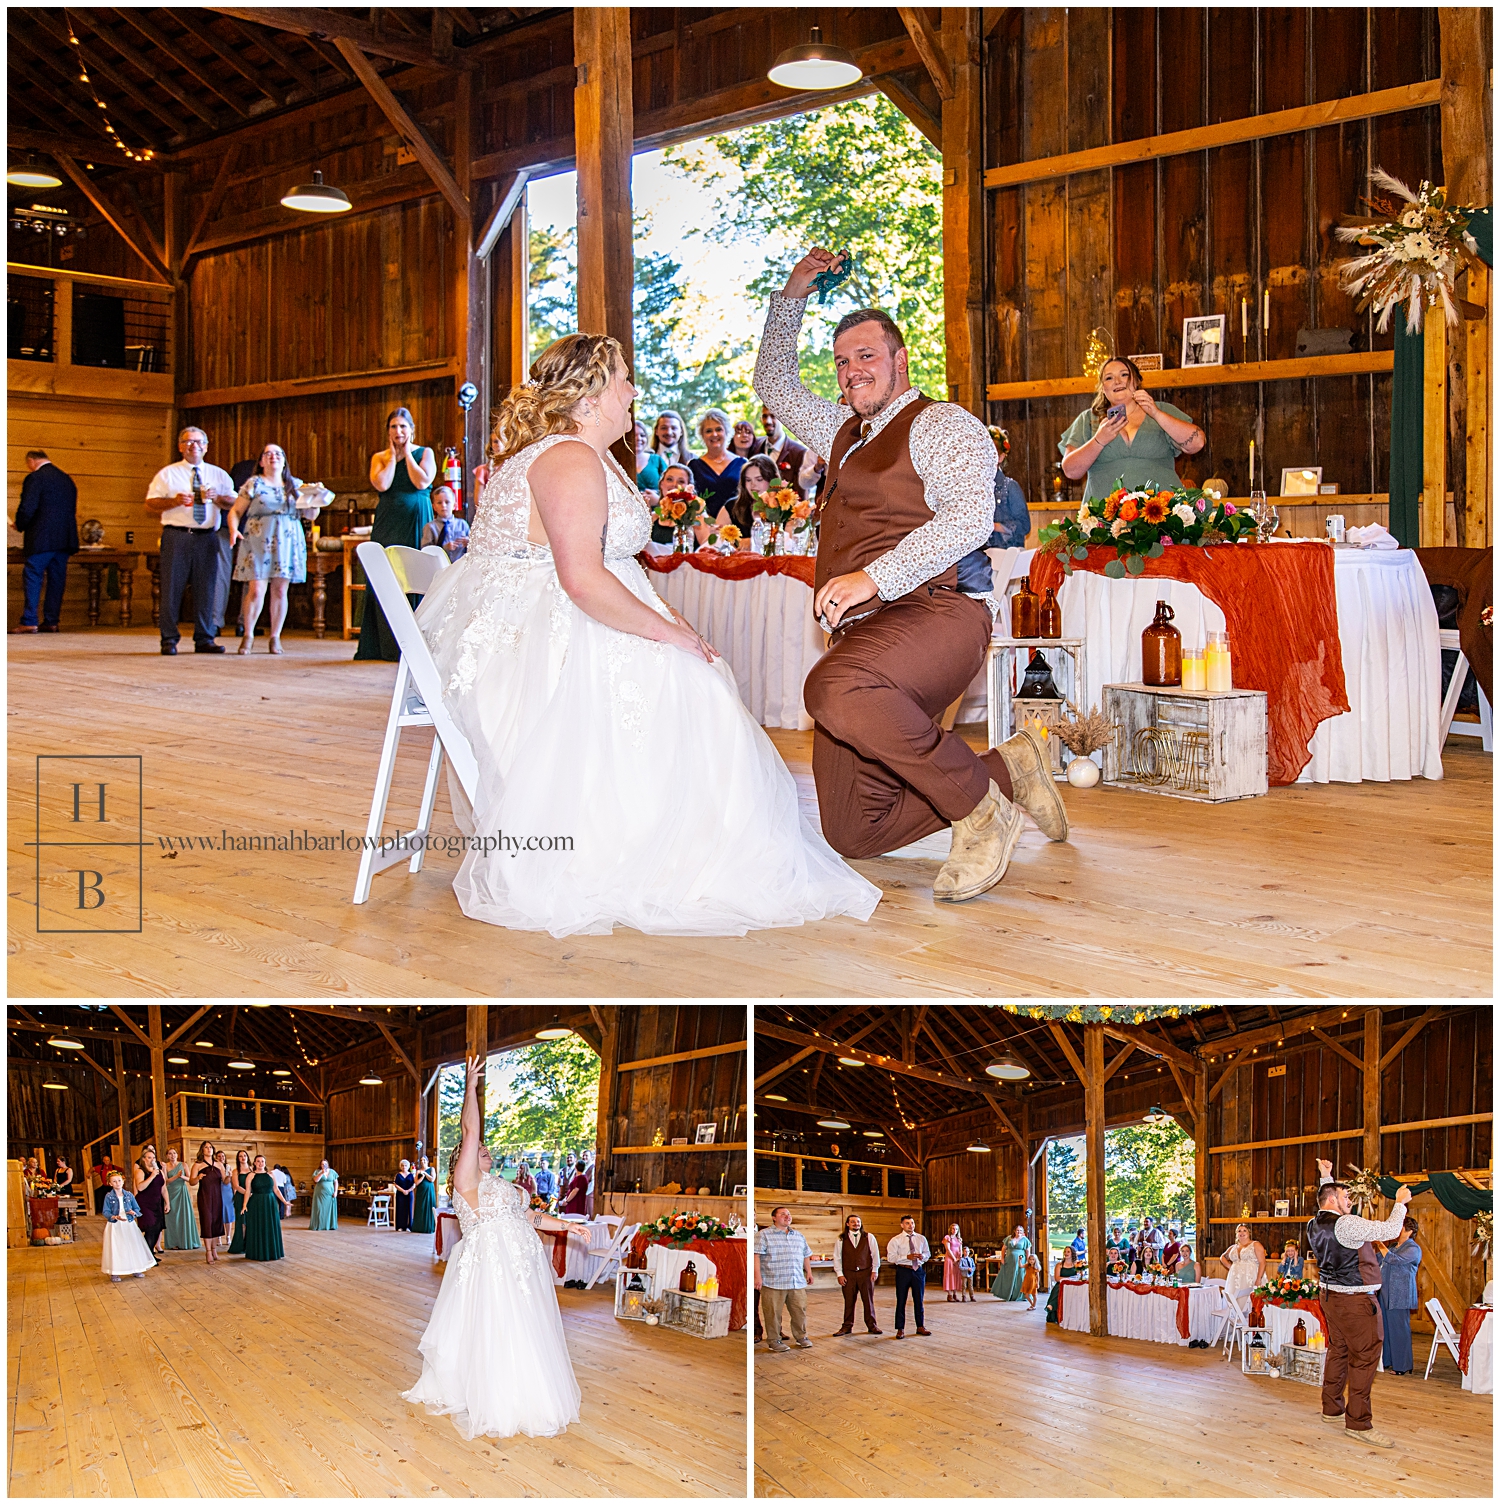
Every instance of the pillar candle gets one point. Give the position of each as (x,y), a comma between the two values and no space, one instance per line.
(1265,313)
(1244,318)
(1251,486)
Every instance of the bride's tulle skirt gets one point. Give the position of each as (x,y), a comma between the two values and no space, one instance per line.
(494,1357)
(620,781)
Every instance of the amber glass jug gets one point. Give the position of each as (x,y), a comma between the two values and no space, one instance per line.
(1161,650)
(1049,616)
(1299,1334)
(1024,611)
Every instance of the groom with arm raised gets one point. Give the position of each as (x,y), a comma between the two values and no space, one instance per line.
(904,587)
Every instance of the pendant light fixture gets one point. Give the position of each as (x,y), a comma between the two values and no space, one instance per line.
(832,1123)
(1009,1068)
(979,1147)
(1154,1115)
(316,197)
(815,64)
(31,175)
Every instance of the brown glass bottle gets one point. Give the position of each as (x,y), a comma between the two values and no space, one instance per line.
(1161,650)
(1023,611)
(1049,616)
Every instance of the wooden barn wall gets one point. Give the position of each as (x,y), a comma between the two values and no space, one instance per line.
(365,1113)
(1134,250)
(677,1097)
(953,1184)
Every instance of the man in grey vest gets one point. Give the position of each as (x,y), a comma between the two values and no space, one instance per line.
(856,1263)
(1349,1280)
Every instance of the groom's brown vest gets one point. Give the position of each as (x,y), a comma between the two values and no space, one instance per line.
(856,1261)
(874,499)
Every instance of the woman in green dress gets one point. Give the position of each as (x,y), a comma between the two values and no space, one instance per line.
(424,1204)
(402,473)
(1138,445)
(239,1184)
(325,1200)
(182,1226)
(262,1220)
(1007,1284)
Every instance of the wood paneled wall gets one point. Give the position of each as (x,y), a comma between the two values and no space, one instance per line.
(63,1121)
(953,1184)
(676,1097)
(1135,249)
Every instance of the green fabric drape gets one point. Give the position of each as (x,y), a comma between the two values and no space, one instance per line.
(1461,1199)
(1406,435)
(1482,228)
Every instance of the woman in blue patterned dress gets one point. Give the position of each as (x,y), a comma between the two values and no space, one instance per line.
(272,548)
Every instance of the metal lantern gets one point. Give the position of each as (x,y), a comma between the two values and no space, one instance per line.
(633,1289)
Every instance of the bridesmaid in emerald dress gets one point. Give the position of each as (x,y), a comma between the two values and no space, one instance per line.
(262,1219)
(239,1185)
(182,1228)
(424,1204)
(325,1200)
(402,473)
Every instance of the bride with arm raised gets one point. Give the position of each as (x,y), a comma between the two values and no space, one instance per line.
(494,1356)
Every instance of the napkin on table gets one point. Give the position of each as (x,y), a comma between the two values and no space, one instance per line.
(1375,536)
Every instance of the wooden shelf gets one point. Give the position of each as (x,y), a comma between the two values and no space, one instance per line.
(1236,1221)
(672,1149)
(1298,368)
(1326,503)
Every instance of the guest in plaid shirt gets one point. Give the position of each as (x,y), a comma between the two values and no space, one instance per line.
(783,1271)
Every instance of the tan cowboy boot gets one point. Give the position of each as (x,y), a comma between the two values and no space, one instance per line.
(982,845)
(1032,785)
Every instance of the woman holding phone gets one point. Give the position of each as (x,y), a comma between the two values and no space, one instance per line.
(1126,436)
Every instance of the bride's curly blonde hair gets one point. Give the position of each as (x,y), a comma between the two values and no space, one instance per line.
(567,371)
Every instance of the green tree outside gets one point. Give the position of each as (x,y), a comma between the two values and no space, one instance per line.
(1148,1173)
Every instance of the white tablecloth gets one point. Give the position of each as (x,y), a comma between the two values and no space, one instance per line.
(1131,1314)
(764,628)
(1481,1376)
(449,1234)
(1388,632)
(666,1265)
(583,1263)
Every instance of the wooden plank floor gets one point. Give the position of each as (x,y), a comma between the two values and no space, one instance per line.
(997,1404)
(1337,891)
(284,1379)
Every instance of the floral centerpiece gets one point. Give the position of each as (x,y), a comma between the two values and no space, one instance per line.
(1421,243)
(683,1227)
(1143,524)
(726,539)
(681,509)
(540,1203)
(1286,1290)
(784,507)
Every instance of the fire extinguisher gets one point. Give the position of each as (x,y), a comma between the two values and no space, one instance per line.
(453,476)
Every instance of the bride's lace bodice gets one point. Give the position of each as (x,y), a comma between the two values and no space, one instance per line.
(500,1227)
(504,511)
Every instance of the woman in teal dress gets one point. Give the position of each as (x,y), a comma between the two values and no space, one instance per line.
(424,1204)
(239,1184)
(402,473)
(182,1226)
(325,1200)
(262,1220)
(1138,446)
(1007,1284)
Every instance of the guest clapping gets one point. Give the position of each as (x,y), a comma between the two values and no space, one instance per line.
(325,1200)
(449,533)
(1125,435)
(406,1182)
(272,548)
(402,473)
(716,472)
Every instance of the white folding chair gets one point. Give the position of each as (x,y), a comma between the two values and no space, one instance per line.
(1484,728)
(380,1204)
(613,1257)
(1235,1324)
(417,700)
(1442,1333)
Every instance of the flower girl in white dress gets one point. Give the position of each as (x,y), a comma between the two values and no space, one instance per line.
(609,735)
(494,1356)
(125,1251)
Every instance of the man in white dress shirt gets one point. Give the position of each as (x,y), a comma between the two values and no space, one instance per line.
(904,587)
(856,1263)
(907,1253)
(189,494)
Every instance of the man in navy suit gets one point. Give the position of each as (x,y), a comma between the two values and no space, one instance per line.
(48,517)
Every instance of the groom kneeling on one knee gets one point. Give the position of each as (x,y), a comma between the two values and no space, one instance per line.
(904,588)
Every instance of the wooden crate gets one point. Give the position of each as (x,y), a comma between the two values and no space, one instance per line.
(1305,1365)
(1189,744)
(695,1316)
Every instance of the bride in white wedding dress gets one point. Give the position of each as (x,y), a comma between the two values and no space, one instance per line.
(494,1356)
(621,779)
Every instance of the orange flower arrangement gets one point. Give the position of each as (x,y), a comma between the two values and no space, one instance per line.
(1112,506)
(1154,508)
(1129,511)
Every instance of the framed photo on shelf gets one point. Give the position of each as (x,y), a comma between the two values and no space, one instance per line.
(1148,362)
(1203,341)
(1283,1209)
(679,1139)
(1301,480)
(707,1133)
(742,1190)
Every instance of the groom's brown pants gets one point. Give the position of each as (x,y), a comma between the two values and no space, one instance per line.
(886,772)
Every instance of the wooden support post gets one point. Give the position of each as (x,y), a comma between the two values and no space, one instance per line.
(1432,517)
(963,213)
(1479,462)
(471,291)
(1200,1158)
(122,1101)
(1040,1236)
(158,1079)
(1093,1119)
(1372,1090)
(609,1061)
(477,1042)
(604,125)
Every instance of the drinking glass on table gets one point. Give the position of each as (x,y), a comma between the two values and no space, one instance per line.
(1258,512)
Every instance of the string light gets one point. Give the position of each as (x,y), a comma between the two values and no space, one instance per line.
(145,154)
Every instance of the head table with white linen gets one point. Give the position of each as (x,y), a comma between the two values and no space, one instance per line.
(1388,634)
(758,613)
(1156,1314)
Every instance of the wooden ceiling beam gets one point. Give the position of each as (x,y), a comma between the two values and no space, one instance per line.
(182,1029)
(130,1023)
(882,1062)
(1066,1046)
(1271,1033)
(19,138)
(334,26)
(100,1034)
(213,201)
(149,69)
(331,55)
(1413,1030)
(395,1045)
(172,48)
(412,133)
(1149,1042)
(1333,1045)
(228,55)
(143,219)
(112,216)
(1232,1064)
(280,57)
(929,48)
(58,90)
(900,93)
(341,1011)
(1119,1060)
